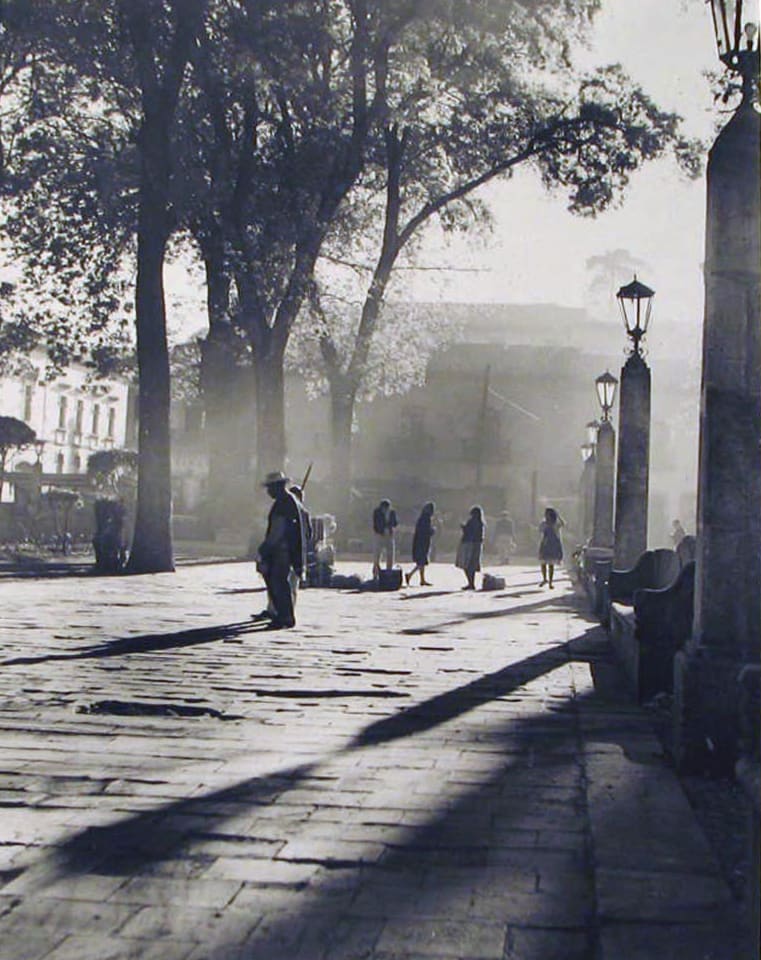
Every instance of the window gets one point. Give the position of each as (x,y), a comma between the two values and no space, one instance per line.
(111,421)
(95,419)
(59,463)
(63,404)
(80,415)
(76,463)
(28,394)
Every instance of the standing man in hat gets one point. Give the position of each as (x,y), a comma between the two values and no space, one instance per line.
(384,525)
(281,554)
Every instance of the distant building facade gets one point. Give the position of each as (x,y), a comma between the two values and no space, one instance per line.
(75,415)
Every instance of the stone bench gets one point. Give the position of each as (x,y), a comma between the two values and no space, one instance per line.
(654,572)
(662,625)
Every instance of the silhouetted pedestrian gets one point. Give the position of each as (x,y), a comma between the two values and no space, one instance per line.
(504,537)
(384,526)
(281,554)
(678,533)
(550,545)
(471,546)
(421,543)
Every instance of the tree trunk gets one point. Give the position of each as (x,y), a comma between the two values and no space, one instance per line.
(152,543)
(270,410)
(228,455)
(160,78)
(342,399)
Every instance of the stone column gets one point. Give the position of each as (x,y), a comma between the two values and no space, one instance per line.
(633,463)
(727,623)
(602,530)
(586,499)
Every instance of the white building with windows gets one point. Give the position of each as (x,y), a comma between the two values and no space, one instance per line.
(73,415)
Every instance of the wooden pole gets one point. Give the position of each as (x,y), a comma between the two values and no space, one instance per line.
(481,437)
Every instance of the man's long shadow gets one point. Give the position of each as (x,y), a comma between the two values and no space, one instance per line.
(146,643)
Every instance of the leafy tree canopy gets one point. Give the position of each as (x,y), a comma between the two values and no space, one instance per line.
(15,433)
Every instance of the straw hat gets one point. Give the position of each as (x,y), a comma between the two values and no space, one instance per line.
(276,476)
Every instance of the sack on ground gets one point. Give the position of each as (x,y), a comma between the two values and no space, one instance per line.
(390,579)
(490,582)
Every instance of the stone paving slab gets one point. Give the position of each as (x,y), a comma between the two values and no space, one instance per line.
(423,774)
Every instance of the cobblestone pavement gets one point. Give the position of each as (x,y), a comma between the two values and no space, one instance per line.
(424,774)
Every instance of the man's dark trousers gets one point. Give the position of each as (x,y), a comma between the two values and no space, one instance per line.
(279,590)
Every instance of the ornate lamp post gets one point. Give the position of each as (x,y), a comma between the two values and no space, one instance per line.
(602,531)
(587,490)
(605,385)
(727,620)
(635,300)
(737,39)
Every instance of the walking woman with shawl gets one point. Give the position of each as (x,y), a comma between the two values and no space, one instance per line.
(421,544)
(471,546)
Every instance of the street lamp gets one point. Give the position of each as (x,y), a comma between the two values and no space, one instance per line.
(632,476)
(592,427)
(604,463)
(587,450)
(606,385)
(636,302)
(737,37)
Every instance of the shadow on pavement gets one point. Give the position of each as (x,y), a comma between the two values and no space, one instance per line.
(478,853)
(157,843)
(462,699)
(463,850)
(48,571)
(561,602)
(146,643)
(236,590)
(426,596)
(143,839)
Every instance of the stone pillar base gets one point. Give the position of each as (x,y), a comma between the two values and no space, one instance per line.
(705,719)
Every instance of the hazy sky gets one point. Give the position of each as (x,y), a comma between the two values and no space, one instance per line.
(537,251)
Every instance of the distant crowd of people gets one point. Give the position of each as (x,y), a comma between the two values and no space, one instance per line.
(282,555)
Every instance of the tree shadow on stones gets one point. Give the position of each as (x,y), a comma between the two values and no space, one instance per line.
(562,602)
(257,790)
(455,861)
